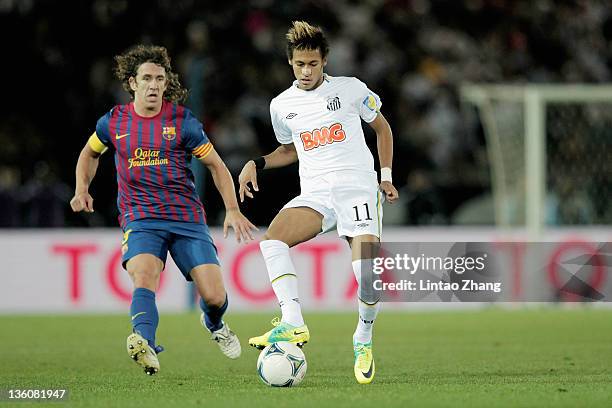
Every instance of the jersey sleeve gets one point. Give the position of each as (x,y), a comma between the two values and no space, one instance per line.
(100,140)
(282,132)
(369,102)
(195,139)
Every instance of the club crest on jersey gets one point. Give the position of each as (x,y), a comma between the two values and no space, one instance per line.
(333,104)
(169,133)
(321,137)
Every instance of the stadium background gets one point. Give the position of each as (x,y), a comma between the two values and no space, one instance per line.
(416,54)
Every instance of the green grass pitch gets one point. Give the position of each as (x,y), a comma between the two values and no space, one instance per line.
(486,358)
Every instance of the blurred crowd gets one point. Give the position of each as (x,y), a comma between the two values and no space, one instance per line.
(231,55)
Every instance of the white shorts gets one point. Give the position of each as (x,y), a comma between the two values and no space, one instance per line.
(349,201)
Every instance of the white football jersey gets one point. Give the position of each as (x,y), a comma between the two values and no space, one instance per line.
(324,124)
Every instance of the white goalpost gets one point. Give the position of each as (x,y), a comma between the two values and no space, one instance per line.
(549,152)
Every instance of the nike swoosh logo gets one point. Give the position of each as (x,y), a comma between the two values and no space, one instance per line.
(138,314)
(117,137)
(297,333)
(368,373)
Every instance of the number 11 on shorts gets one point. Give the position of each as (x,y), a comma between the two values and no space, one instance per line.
(367,210)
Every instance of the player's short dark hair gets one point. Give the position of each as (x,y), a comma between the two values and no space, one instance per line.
(130,60)
(303,36)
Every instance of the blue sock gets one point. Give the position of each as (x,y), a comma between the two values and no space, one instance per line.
(144,314)
(213,315)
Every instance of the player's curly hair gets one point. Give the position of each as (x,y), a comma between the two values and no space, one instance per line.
(304,36)
(129,61)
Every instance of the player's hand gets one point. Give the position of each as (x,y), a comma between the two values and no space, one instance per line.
(82,202)
(241,225)
(247,175)
(391,193)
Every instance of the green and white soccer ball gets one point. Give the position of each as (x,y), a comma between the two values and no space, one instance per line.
(282,364)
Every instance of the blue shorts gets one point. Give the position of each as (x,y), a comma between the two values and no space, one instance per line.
(190,244)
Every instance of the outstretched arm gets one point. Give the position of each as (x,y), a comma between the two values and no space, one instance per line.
(284,155)
(85,171)
(225,185)
(384,142)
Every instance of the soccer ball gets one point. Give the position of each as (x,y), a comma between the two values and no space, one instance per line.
(281,364)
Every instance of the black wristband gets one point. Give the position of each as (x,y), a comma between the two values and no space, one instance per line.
(260,163)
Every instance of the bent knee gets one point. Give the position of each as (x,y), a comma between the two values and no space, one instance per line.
(144,272)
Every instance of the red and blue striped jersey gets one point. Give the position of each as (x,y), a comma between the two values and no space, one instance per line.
(152,157)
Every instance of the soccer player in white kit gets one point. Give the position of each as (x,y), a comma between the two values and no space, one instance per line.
(318,122)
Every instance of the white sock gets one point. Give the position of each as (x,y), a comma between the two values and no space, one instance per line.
(283,279)
(367,311)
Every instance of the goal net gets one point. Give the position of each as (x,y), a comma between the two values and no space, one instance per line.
(550,152)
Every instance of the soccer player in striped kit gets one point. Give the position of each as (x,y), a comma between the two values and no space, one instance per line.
(153,139)
(317,121)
